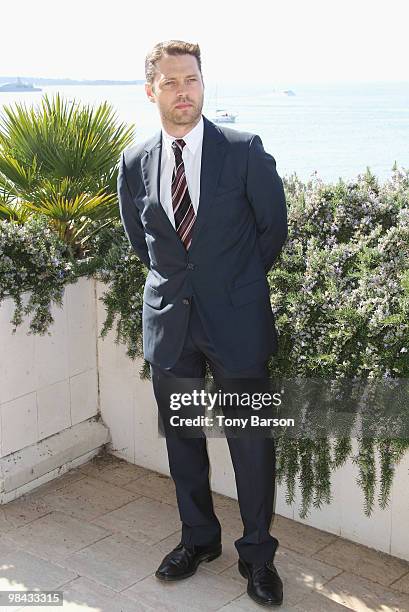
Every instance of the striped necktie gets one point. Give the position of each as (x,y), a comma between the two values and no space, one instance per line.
(182,205)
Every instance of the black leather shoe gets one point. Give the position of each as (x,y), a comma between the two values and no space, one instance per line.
(264,584)
(183,561)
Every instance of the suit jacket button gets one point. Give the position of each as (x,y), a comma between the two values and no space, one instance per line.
(186,301)
(190,266)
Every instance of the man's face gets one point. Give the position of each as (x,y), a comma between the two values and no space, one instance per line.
(177,90)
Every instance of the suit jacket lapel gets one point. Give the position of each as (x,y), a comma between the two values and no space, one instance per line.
(214,149)
(150,165)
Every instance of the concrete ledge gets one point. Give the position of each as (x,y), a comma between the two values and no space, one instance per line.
(27,468)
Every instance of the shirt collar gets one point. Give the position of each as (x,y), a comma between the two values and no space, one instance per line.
(193,139)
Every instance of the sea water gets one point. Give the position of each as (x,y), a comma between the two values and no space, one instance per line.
(334,130)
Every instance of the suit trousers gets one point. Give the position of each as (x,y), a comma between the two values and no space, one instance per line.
(253,458)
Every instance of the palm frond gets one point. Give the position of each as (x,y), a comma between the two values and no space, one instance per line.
(13,212)
(60,159)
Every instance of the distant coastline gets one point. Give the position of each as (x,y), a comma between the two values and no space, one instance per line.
(42,81)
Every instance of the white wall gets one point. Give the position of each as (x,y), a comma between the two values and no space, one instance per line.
(48,384)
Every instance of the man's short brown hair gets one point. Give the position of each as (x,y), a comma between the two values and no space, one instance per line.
(169,47)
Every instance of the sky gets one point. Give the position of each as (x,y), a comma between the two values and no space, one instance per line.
(286,41)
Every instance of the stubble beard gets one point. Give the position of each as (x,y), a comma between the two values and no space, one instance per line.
(184,117)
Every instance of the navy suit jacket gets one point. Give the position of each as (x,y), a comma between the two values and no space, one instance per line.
(239,231)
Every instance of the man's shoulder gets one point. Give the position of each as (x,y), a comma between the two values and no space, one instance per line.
(135,153)
(232,135)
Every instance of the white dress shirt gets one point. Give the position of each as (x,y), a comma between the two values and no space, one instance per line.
(192,159)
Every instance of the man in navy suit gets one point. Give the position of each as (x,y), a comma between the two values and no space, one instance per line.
(204,209)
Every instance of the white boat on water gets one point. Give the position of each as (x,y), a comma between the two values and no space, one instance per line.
(223,116)
(283,92)
(18,86)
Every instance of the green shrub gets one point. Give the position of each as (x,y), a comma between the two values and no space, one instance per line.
(34,259)
(60,160)
(340,294)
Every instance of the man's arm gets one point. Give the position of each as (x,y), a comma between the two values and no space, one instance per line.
(130,216)
(266,195)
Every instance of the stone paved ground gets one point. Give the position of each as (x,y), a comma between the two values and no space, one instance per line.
(99,532)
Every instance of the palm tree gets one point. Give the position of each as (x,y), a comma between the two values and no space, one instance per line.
(60,159)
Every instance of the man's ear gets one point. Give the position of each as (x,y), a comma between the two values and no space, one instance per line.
(149,92)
